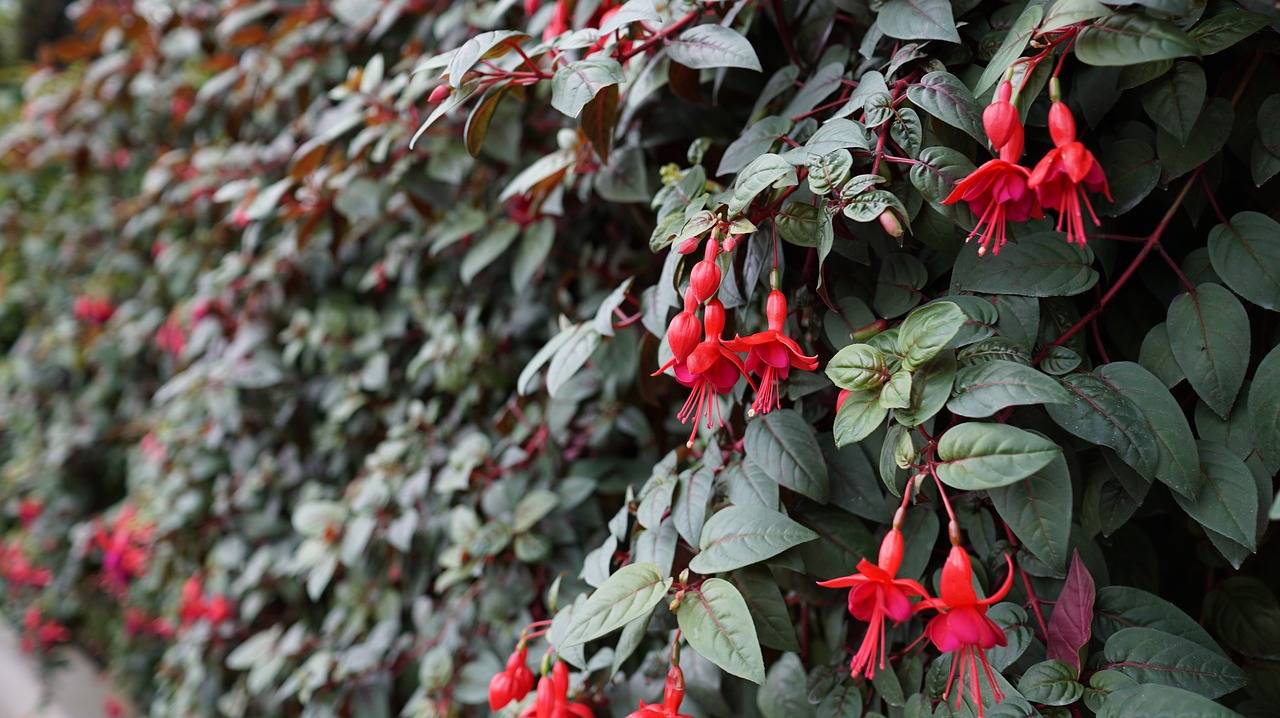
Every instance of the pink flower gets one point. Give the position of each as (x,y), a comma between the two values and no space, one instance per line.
(772,355)
(710,370)
(1062,176)
(998,192)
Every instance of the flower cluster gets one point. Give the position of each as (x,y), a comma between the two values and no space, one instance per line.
(1002,191)
(513,683)
(712,365)
(216,610)
(124,545)
(961,626)
(40,634)
(18,570)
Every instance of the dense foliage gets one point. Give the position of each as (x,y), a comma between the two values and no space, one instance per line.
(334,336)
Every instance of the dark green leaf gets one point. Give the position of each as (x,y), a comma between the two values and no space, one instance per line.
(927,331)
(930,387)
(1264,408)
(711,46)
(783,444)
(898,286)
(627,595)
(1099,413)
(1151,656)
(984,456)
(1173,102)
(768,609)
(1040,265)
(1015,41)
(1132,38)
(1120,607)
(804,225)
(983,389)
(1246,254)
(1156,356)
(1206,139)
(1244,612)
(751,144)
(1209,336)
(1052,683)
(1227,501)
(860,415)
(738,536)
(945,97)
(1178,463)
(1226,29)
(918,20)
(765,170)
(717,624)
(1157,701)
(1038,510)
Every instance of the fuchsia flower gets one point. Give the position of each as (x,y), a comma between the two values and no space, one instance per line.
(194,607)
(962,626)
(124,549)
(771,355)
(553,697)
(1062,176)
(876,595)
(672,695)
(39,634)
(93,310)
(998,191)
(711,369)
(513,683)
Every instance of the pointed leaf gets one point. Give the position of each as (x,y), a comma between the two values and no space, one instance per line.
(738,536)
(625,596)
(1038,511)
(1209,334)
(717,624)
(983,456)
(1151,656)
(785,446)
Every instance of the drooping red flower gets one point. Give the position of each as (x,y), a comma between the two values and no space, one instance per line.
(195,608)
(512,683)
(998,192)
(710,370)
(962,626)
(684,331)
(704,281)
(18,570)
(1062,176)
(93,310)
(553,697)
(124,549)
(772,355)
(1000,119)
(559,24)
(875,594)
(672,695)
(39,634)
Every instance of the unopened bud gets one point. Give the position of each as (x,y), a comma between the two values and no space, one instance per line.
(438,94)
(1062,124)
(953,533)
(705,280)
(870,330)
(889,221)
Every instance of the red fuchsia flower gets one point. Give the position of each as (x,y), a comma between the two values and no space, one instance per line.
(998,193)
(559,24)
(124,549)
(28,511)
(684,331)
(93,310)
(171,338)
(772,355)
(875,595)
(705,278)
(195,608)
(17,569)
(1062,176)
(710,370)
(672,696)
(963,627)
(39,634)
(513,683)
(1000,119)
(553,697)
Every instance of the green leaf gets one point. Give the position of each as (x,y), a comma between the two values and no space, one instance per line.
(1264,408)
(1173,102)
(1246,254)
(717,624)
(944,96)
(867,204)
(984,389)
(896,393)
(927,330)
(1059,361)
(835,134)
(751,144)
(978,456)
(842,542)
(1039,265)
(860,415)
(763,171)
(1157,701)
(858,367)
(690,509)
(1244,612)
(1227,501)
(829,171)
(930,389)
(532,508)
(625,596)
(487,249)
(898,285)
(783,444)
(1015,41)
(576,84)
(1206,139)
(1156,356)
(710,46)
(784,694)
(1052,683)
(1209,335)
(485,46)
(768,608)
(1132,171)
(532,252)
(1099,413)
(1177,462)
(1120,607)
(939,170)
(804,225)
(1151,656)
(1132,38)
(1038,510)
(1226,29)
(918,20)
(1069,12)
(571,357)
(738,536)
(907,131)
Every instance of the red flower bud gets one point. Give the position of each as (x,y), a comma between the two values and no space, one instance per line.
(705,280)
(775,310)
(713,318)
(889,222)
(1062,125)
(683,335)
(501,691)
(438,94)
(673,694)
(999,119)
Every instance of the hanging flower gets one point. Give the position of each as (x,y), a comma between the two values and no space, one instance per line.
(92,310)
(963,627)
(684,330)
(875,595)
(513,683)
(672,695)
(711,369)
(124,549)
(553,697)
(704,281)
(1062,176)
(998,192)
(771,355)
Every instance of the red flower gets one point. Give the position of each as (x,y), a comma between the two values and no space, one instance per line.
(553,697)
(93,310)
(771,355)
(874,595)
(194,608)
(513,683)
(124,549)
(559,24)
(684,330)
(672,695)
(710,370)
(171,338)
(704,281)
(1000,119)
(40,634)
(1062,176)
(963,625)
(998,192)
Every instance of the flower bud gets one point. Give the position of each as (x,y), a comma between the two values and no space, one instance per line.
(870,330)
(889,222)
(683,335)
(1062,125)
(713,318)
(1012,149)
(705,280)
(776,310)
(673,693)
(500,691)
(999,119)
(891,549)
(844,394)
(438,94)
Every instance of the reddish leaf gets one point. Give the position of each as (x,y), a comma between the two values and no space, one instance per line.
(1069,624)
